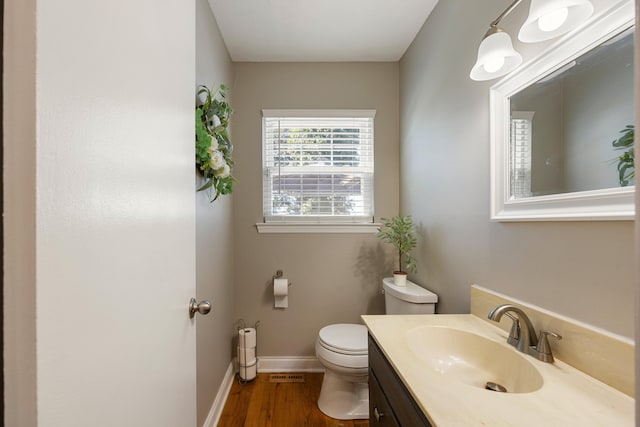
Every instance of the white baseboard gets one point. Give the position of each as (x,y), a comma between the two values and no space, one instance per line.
(289,364)
(221,398)
(265,364)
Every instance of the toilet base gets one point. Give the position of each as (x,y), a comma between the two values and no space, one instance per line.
(342,399)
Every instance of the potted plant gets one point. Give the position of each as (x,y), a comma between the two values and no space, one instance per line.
(399,231)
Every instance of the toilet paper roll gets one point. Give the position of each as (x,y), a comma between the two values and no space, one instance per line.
(247,338)
(246,356)
(281,293)
(250,363)
(280,287)
(249,372)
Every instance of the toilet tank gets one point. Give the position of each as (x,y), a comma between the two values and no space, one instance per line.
(409,299)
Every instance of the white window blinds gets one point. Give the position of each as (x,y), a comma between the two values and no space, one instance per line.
(318,165)
(520,153)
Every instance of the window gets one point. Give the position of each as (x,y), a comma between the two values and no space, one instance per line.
(318,166)
(520,155)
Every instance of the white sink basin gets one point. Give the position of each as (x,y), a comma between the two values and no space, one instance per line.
(473,359)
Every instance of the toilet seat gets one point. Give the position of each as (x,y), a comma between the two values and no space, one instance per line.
(344,338)
(344,346)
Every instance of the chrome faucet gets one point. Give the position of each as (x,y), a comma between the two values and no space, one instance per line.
(524,338)
(521,338)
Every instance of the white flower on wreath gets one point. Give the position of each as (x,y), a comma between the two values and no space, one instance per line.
(217,160)
(214,145)
(216,120)
(223,172)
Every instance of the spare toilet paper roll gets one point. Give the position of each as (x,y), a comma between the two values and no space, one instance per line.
(281,292)
(246,356)
(248,372)
(247,338)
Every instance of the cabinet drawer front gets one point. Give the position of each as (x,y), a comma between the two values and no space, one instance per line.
(406,410)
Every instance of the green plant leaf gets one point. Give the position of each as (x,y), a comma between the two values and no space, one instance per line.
(626,162)
(206,185)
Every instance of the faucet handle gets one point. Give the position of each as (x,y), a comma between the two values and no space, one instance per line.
(514,333)
(543,349)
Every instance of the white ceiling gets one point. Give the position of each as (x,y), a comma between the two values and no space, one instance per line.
(319,30)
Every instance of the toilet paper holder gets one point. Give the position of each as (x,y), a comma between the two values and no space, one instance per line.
(279,274)
(280,290)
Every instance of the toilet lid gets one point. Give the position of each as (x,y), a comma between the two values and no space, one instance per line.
(345,337)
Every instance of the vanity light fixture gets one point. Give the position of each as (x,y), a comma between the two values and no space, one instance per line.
(496,55)
(551,18)
(547,19)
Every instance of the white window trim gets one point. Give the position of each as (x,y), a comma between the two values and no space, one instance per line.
(319,113)
(333,225)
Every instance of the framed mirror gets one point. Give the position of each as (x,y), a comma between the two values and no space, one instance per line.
(560,124)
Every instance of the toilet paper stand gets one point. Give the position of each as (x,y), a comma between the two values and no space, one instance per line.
(247,351)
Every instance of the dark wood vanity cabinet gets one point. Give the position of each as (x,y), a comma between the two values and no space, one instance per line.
(390,404)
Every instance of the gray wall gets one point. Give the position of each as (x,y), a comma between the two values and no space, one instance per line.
(335,277)
(214,238)
(583,270)
(19,215)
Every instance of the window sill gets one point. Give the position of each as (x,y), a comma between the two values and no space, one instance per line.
(353,228)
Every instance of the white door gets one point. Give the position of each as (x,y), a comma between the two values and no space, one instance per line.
(115,213)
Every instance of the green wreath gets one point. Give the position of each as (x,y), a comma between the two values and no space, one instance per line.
(213,146)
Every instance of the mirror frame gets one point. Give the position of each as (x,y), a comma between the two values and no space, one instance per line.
(604,204)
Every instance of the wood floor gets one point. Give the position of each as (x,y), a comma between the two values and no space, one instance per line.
(261,403)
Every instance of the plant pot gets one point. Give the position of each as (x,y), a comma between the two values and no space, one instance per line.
(400,278)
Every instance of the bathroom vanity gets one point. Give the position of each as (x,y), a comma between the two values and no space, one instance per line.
(431,370)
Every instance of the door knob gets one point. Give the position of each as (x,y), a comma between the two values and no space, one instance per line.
(203,307)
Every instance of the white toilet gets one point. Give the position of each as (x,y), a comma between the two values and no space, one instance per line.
(342,350)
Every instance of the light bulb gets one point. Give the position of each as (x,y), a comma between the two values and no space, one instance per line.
(553,20)
(493,63)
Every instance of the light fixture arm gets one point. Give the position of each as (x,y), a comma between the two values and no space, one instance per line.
(505,13)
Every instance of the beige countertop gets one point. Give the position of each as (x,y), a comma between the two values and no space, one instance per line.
(568,397)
